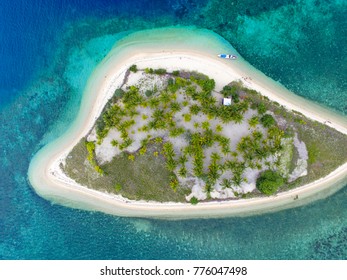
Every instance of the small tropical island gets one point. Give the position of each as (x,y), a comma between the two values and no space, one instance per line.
(168,129)
(171,137)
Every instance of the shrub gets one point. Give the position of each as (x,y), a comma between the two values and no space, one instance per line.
(208,85)
(267,120)
(119,92)
(90,147)
(131,157)
(118,187)
(269,182)
(176,73)
(149,71)
(194,200)
(160,71)
(235,97)
(174,184)
(98,169)
(148,93)
(133,68)
(261,108)
(142,151)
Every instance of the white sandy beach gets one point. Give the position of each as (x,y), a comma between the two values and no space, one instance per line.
(49,181)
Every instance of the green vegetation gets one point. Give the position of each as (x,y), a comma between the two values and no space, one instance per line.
(114,143)
(313,153)
(159,71)
(174,147)
(118,187)
(325,145)
(145,178)
(187,117)
(231,91)
(269,182)
(194,200)
(267,120)
(133,68)
(253,121)
(91,156)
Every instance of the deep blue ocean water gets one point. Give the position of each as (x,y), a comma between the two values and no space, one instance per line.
(43,44)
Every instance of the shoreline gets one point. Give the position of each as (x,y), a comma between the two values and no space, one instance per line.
(49,181)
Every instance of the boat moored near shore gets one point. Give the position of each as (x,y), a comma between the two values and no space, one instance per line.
(227,56)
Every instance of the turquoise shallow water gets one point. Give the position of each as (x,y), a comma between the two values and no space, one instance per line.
(298,52)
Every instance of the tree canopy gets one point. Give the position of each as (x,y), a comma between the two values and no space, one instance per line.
(269,182)
(267,120)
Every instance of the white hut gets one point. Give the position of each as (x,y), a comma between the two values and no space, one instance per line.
(227,101)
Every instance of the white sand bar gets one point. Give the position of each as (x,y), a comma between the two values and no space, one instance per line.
(174,49)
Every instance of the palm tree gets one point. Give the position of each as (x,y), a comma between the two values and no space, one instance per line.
(127,142)
(234,154)
(191,90)
(144,142)
(242,146)
(154,102)
(237,179)
(194,109)
(253,121)
(226,150)
(208,189)
(219,128)
(205,125)
(177,131)
(158,114)
(171,164)
(238,118)
(226,183)
(182,159)
(198,162)
(215,157)
(224,141)
(168,150)
(230,164)
(257,135)
(165,97)
(183,172)
(261,153)
(213,174)
(175,107)
(207,138)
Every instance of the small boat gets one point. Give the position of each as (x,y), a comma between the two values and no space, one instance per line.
(227,56)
